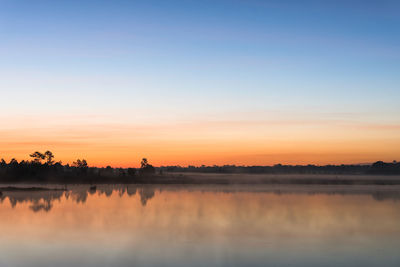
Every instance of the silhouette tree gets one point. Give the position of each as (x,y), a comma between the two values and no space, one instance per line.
(144,163)
(13,162)
(49,157)
(37,157)
(80,164)
(146,168)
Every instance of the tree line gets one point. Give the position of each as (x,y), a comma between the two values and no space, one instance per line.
(43,168)
(378,167)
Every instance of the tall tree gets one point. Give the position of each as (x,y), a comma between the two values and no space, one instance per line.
(49,157)
(37,157)
(144,163)
(80,163)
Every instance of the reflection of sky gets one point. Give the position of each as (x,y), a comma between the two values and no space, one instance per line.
(201,227)
(154,62)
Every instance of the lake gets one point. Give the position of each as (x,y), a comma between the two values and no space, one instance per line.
(201,225)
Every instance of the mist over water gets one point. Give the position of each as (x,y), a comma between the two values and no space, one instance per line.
(201,225)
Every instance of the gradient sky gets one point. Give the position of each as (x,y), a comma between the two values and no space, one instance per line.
(201,82)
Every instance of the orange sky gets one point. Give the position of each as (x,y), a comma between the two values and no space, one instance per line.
(195,83)
(123,141)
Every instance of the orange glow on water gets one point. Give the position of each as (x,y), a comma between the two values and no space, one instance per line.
(153,209)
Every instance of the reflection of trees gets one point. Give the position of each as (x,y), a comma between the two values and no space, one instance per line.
(38,200)
(145,193)
(80,197)
(42,200)
(107,191)
(46,205)
(131,190)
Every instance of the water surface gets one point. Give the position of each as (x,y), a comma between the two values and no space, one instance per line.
(201,226)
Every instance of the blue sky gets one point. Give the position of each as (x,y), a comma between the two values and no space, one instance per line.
(236,49)
(190,60)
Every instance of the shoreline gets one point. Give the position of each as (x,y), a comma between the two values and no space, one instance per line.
(222,179)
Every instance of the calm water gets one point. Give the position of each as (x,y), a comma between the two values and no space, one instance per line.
(201,226)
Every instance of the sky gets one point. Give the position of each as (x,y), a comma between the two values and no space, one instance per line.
(200,82)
